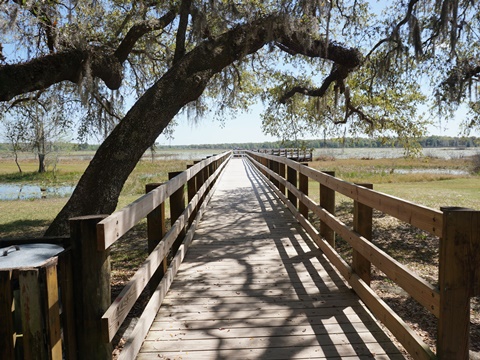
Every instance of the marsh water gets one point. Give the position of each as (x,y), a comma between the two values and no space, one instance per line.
(27,192)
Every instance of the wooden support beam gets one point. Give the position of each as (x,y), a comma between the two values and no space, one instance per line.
(362,224)
(52,311)
(459,276)
(281,172)
(91,280)
(303,187)
(177,206)
(292,179)
(156,230)
(327,202)
(7,329)
(31,310)
(68,304)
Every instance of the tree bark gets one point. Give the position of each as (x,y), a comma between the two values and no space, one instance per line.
(41,163)
(98,189)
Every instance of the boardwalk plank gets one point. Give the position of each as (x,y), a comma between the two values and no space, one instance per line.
(254,286)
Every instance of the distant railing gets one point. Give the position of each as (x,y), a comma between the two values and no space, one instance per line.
(296,154)
(459,262)
(92,237)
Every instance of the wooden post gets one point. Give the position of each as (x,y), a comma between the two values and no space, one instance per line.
(7,329)
(303,187)
(281,172)
(199,181)
(52,311)
(68,304)
(156,230)
(177,206)
(275,168)
(292,179)
(362,224)
(191,186)
(459,279)
(91,281)
(206,172)
(327,201)
(31,309)
(191,192)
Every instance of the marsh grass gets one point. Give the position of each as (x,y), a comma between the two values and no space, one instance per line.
(19,218)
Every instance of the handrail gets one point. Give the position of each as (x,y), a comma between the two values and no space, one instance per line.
(116,225)
(459,248)
(93,235)
(118,311)
(417,215)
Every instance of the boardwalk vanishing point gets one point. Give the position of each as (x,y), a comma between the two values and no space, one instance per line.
(253,285)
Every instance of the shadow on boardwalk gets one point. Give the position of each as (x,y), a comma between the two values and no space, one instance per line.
(254,286)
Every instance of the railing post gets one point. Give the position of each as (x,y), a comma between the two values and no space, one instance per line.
(362,224)
(327,201)
(91,287)
(199,180)
(68,304)
(459,279)
(7,330)
(303,187)
(156,230)
(191,186)
(292,179)
(31,308)
(177,206)
(281,172)
(191,191)
(275,170)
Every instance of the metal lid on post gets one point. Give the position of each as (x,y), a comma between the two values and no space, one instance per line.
(27,255)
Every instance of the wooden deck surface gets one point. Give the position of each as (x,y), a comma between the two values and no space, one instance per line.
(254,286)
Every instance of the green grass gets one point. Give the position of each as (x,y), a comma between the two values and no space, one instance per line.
(30,218)
(463,192)
(428,189)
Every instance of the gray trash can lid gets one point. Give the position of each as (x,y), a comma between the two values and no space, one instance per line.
(27,255)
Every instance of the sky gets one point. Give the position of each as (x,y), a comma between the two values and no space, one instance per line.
(247,127)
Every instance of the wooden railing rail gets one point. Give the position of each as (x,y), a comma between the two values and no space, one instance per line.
(449,302)
(291,153)
(92,237)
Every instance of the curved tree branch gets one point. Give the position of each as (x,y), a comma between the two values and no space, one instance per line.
(453,87)
(151,114)
(68,65)
(182,30)
(396,29)
(140,29)
(338,75)
(40,73)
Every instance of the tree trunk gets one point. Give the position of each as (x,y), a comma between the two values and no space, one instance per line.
(98,189)
(41,163)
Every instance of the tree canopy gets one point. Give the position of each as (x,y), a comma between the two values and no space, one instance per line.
(315,64)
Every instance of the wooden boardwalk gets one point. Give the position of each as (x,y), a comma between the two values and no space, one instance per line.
(254,286)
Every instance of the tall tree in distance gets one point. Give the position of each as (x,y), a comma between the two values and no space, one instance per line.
(349,61)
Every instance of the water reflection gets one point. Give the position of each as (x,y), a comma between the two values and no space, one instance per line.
(28,192)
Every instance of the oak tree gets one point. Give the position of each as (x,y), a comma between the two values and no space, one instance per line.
(315,63)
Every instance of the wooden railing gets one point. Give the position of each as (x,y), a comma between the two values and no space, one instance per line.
(97,318)
(291,153)
(458,230)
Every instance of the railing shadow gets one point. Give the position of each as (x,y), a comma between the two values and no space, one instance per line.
(270,291)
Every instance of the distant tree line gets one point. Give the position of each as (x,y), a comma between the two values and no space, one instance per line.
(426,142)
